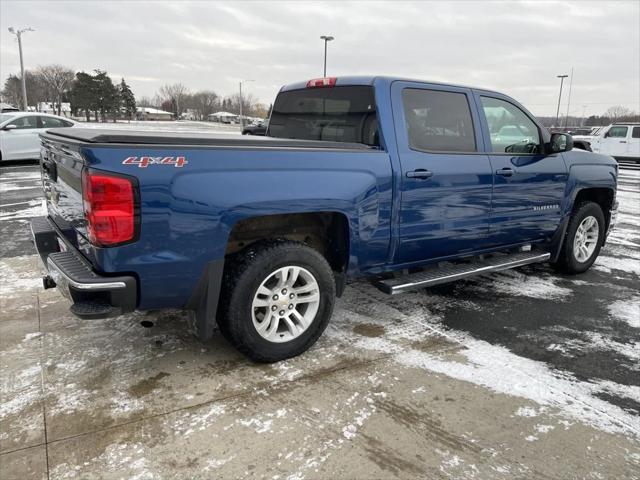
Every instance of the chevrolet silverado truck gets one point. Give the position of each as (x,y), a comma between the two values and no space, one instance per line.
(405,182)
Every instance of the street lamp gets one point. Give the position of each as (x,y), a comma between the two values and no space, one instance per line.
(326,38)
(566,118)
(561,77)
(242,119)
(18,34)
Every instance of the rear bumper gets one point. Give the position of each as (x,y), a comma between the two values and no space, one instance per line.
(92,295)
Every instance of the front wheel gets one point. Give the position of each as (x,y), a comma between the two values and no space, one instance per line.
(277,300)
(583,240)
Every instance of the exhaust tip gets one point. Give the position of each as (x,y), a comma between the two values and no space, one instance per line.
(47,282)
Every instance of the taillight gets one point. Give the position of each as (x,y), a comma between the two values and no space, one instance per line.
(109,207)
(322,82)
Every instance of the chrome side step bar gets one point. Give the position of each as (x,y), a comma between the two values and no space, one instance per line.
(451,272)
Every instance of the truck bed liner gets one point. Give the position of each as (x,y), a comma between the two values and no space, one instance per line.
(138,137)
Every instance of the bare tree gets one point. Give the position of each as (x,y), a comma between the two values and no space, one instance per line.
(12,92)
(617,112)
(176,94)
(249,102)
(204,102)
(57,80)
(144,102)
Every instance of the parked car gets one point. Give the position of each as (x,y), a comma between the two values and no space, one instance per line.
(399,181)
(19,133)
(5,107)
(620,140)
(259,128)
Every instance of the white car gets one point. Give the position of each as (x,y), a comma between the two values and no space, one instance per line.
(19,133)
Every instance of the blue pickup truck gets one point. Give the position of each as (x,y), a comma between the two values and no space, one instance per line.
(408,183)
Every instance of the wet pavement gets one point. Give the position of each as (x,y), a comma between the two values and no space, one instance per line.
(521,374)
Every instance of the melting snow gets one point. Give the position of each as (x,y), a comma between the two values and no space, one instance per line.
(627,311)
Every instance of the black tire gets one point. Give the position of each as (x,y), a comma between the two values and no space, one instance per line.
(245,272)
(567,261)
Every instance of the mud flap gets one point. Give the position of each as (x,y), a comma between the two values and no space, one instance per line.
(555,245)
(204,301)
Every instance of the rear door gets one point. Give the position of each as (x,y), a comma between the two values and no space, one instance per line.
(615,141)
(446,184)
(529,185)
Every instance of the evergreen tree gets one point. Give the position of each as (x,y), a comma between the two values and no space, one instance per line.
(107,98)
(127,100)
(83,94)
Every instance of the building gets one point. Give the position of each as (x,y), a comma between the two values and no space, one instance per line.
(51,108)
(148,113)
(223,117)
(190,114)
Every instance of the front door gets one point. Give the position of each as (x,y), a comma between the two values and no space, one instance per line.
(445,190)
(21,142)
(529,186)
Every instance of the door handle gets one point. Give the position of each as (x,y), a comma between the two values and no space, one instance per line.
(420,173)
(623,141)
(505,172)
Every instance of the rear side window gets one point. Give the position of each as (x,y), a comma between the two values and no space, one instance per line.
(438,121)
(50,122)
(617,132)
(338,114)
(510,129)
(636,132)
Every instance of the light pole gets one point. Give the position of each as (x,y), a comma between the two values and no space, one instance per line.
(18,34)
(242,119)
(566,119)
(561,77)
(326,38)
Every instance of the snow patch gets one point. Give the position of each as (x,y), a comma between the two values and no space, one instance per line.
(35,211)
(519,284)
(627,311)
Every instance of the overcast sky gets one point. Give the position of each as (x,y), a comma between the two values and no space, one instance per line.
(516,48)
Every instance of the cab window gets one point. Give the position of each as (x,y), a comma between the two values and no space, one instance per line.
(25,122)
(438,121)
(337,114)
(635,133)
(511,130)
(617,132)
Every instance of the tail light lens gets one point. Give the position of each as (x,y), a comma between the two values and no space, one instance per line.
(322,82)
(110,207)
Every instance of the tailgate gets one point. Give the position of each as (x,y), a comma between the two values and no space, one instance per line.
(61,168)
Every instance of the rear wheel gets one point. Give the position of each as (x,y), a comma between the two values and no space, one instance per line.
(583,240)
(277,300)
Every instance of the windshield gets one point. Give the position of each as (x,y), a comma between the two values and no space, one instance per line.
(338,114)
(5,116)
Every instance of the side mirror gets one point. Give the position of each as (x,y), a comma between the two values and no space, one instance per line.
(560,142)
(9,127)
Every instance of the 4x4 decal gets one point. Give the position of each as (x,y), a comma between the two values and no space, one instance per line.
(144,162)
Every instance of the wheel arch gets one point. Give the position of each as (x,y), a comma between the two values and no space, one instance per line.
(327,232)
(604,196)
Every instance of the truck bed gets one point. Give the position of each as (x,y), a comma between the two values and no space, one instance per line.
(132,137)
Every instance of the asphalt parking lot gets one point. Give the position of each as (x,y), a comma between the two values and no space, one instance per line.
(522,374)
